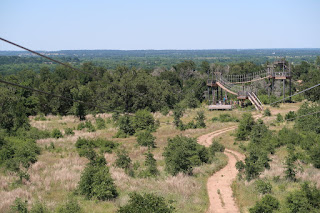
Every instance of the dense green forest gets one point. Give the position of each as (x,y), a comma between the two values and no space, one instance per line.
(14,61)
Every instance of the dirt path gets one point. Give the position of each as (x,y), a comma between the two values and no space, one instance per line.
(219,184)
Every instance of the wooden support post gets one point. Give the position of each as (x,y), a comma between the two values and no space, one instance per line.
(290,88)
(284,90)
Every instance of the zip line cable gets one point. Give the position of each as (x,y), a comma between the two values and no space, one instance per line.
(296,94)
(51,59)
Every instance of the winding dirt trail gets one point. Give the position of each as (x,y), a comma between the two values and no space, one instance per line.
(219,184)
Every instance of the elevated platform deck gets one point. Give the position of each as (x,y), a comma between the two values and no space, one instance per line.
(220,106)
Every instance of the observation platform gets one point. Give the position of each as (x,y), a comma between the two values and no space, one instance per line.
(220,106)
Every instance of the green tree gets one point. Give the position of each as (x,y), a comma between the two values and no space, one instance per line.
(182,154)
(123,160)
(145,138)
(96,182)
(245,126)
(200,119)
(151,164)
(307,199)
(143,120)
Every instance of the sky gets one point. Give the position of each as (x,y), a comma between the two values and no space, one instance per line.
(164,24)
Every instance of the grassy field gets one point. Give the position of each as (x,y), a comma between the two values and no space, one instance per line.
(56,174)
(54,177)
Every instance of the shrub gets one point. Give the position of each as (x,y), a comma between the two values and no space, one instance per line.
(96,182)
(256,161)
(177,114)
(17,155)
(123,160)
(115,116)
(182,154)
(68,131)
(32,133)
(143,120)
(267,112)
(263,187)
(101,124)
(145,138)
(56,133)
(279,118)
(311,122)
(291,169)
(125,125)
(39,207)
(19,206)
(290,116)
(89,126)
(81,126)
(151,165)
(164,110)
(70,206)
(216,147)
(307,199)
(314,154)
(240,165)
(146,203)
(267,204)
(84,144)
(245,127)
(200,120)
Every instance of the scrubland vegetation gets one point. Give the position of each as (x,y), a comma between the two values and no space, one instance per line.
(63,156)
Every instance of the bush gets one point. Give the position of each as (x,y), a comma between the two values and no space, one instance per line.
(146,203)
(56,133)
(39,207)
(307,199)
(96,182)
(17,155)
(216,147)
(70,206)
(19,206)
(151,165)
(182,154)
(279,118)
(89,126)
(101,124)
(81,126)
(145,138)
(311,122)
(164,110)
(68,131)
(123,160)
(143,120)
(267,204)
(267,112)
(290,116)
(32,133)
(240,165)
(200,120)
(125,125)
(263,187)
(84,144)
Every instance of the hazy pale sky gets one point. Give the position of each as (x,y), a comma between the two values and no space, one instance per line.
(162,24)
